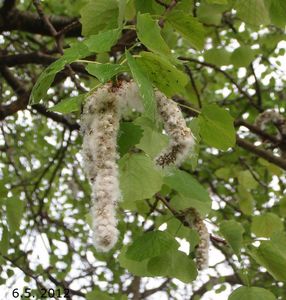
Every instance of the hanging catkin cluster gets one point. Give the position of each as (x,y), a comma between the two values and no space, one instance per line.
(202,250)
(181,142)
(181,138)
(276,118)
(99,125)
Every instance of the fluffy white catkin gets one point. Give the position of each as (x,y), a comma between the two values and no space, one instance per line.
(129,98)
(100,124)
(274,117)
(202,250)
(181,138)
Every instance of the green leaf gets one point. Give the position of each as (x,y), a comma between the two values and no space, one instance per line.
(148,6)
(121,12)
(76,51)
(103,41)
(145,87)
(129,135)
(3,190)
(183,267)
(190,28)
(267,224)
(218,57)
(159,265)
(246,201)
(217,1)
(151,244)
(39,91)
(69,105)
(180,202)
(282,207)
(277,12)
(271,167)
(232,232)
(133,168)
(4,242)
(223,173)
(45,80)
(165,76)
(142,207)
(99,15)
(271,256)
(246,179)
(149,34)
(190,189)
(175,228)
(279,239)
(96,294)
(216,127)
(209,14)
(104,72)
(152,141)
(14,213)
(138,268)
(252,12)
(251,293)
(173,264)
(242,56)
(195,128)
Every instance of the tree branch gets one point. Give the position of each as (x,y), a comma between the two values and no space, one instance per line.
(23,100)
(231,279)
(257,87)
(229,77)
(258,131)
(36,58)
(56,117)
(262,153)
(7,6)
(27,58)
(182,217)
(190,73)
(155,290)
(20,91)
(30,22)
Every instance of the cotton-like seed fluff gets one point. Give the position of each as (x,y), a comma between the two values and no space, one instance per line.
(129,98)
(100,124)
(202,250)
(274,117)
(181,138)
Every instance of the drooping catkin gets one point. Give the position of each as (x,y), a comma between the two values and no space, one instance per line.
(276,118)
(181,138)
(100,124)
(202,250)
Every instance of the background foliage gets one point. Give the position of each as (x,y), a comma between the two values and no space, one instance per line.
(223,61)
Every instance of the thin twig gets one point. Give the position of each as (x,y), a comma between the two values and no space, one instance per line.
(229,77)
(190,73)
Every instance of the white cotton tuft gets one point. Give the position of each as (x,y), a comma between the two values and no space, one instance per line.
(129,97)
(271,116)
(100,124)
(181,137)
(202,250)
